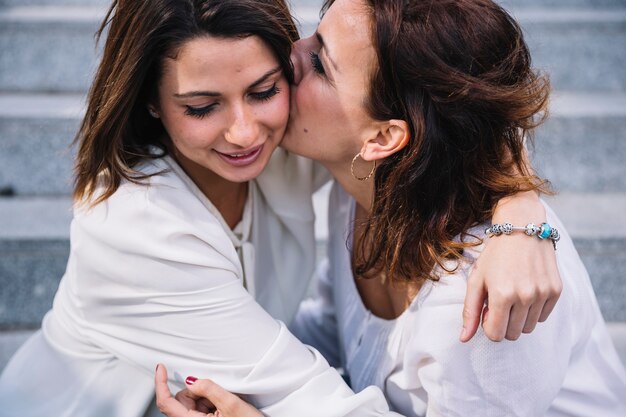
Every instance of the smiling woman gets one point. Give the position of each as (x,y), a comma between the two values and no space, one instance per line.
(177,233)
(192,240)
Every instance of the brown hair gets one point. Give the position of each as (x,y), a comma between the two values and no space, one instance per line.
(459,73)
(117,131)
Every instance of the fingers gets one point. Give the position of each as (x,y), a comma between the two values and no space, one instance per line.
(167,404)
(517,321)
(548,307)
(188,400)
(226,402)
(472,308)
(533,317)
(495,323)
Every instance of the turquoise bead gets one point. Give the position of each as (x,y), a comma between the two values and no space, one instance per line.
(545,231)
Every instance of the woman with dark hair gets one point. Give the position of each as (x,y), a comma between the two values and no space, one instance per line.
(441,96)
(192,234)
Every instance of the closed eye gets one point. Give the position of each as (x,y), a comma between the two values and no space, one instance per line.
(200,112)
(267,94)
(316,62)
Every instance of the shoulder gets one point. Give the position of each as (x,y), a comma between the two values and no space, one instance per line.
(160,217)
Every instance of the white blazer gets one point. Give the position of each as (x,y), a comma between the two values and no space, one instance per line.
(155,275)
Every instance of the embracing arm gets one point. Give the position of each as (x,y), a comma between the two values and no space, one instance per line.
(159,288)
(517,274)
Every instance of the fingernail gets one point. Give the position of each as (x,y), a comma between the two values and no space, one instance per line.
(190,380)
(157,367)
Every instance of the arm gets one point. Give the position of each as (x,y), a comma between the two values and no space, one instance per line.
(158,287)
(517,274)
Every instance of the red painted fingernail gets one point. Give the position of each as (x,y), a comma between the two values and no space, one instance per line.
(190,380)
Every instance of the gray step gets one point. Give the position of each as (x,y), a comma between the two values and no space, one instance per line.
(581,148)
(34,248)
(35,137)
(584,49)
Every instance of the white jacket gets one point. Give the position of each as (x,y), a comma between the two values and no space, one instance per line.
(155,275)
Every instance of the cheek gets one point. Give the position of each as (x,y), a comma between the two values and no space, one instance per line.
(188,133)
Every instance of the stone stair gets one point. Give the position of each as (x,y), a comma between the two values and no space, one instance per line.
(47,58)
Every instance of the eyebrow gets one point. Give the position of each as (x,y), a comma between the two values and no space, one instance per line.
(320,39)
(261,80)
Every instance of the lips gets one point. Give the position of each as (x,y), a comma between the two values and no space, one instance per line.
(241,158)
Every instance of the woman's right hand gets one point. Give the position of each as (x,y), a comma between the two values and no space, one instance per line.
(202,398)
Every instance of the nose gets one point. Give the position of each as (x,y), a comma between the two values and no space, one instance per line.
(244,129)
(299,58)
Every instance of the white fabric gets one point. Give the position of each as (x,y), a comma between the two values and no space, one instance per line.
(566,367)
(155,275)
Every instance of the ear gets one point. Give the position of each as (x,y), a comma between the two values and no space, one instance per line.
(392,136)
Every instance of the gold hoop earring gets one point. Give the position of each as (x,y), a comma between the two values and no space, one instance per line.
(352,169)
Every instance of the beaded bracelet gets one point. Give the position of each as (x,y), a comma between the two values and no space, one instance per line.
(544,231)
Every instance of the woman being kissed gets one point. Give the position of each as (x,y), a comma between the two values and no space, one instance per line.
(437,96)
(193,234)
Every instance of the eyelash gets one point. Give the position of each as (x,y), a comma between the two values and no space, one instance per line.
(204,111)
(316,62)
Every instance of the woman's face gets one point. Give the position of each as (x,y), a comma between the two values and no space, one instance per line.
(224,104)
(328,121)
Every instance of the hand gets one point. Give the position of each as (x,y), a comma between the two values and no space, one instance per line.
(202,398)
(517,274)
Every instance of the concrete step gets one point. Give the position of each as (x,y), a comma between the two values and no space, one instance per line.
(34,246)
(584,49)
(581,148)
(36,132)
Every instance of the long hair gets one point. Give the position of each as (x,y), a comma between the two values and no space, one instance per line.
(459,73)
(117,131)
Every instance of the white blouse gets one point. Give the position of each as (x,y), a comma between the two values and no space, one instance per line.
(566,367)
(155,275)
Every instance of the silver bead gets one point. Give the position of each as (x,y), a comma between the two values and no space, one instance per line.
(531,229)
(507,228)
(554,235)
(496,229)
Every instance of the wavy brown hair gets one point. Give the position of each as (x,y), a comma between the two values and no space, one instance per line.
(117,131)
(459,73)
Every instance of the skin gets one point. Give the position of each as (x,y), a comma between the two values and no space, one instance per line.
(210,114)
(329,124)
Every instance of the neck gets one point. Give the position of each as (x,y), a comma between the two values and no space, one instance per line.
(228,197)
(361,191)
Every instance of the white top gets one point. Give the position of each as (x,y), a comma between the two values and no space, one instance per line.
(566,367)
(155,275)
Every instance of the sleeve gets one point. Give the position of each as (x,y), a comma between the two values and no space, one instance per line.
(159,283)
(481,377)
(316,321)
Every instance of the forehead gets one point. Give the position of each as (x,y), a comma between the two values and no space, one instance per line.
(209,59)
(345,28)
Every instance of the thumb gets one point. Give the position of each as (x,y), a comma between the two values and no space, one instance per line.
(473,307)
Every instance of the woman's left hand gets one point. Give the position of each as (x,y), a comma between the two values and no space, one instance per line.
(517,274)
(202,398)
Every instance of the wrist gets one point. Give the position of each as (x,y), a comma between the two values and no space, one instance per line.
(520,208)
